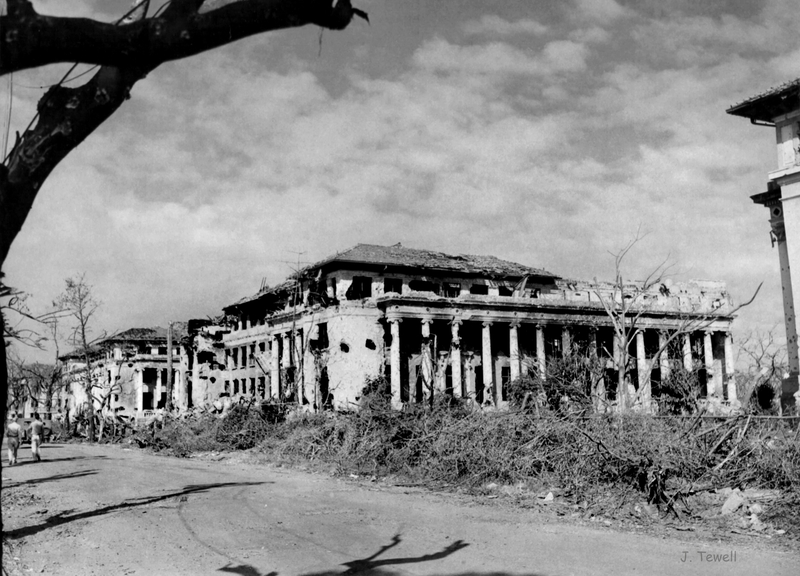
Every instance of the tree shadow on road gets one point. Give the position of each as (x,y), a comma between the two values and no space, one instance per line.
(54,478)
(370,564)
(28,462)
(67,515)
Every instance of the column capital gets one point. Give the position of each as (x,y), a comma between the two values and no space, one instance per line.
(426,320)
(516,323)
(486,323)
(456,322)
(394,319)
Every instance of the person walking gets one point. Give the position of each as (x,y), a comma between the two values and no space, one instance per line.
(37,433)
(13,434)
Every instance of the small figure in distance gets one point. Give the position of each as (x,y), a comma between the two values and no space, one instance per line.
(37,433)
(13,434)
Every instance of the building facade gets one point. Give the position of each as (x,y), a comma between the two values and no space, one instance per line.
(465,326)
(129,370)
(779,108)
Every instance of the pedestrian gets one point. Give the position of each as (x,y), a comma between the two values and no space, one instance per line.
(37,433)
(13,434)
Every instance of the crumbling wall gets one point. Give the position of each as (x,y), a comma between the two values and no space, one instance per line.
(355,353)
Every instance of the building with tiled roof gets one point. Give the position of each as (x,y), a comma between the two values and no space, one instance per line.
(779,108)
(462,325)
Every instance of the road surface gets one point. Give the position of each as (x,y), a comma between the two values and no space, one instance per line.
(108,510)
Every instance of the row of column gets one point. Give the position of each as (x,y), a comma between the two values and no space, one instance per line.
(178,383)
(515,364)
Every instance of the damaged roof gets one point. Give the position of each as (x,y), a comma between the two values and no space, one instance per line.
(156,333)
(399,255)
(770,104)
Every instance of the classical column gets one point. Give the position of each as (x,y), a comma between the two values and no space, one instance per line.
(663,358)
(275,367)
(566,341)
(622,380)
(486,361)
(310,382)
(426,360)
(687,352)
(394,360)
(641,369)
(540,353)
(600,389)
(469,379)
(140,391)
(513,350)
(455,358)
(730,378)
(157,396)
(708,354)
(195,378)
(299,373)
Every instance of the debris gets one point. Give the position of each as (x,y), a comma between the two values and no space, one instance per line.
(733,503)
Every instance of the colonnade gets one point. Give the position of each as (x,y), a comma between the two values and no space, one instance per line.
(492,387)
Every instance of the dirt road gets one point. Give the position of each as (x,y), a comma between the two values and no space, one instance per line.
(109,510)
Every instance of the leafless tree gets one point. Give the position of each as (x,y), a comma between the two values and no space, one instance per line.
(625,307)
(79,303)
(760,383)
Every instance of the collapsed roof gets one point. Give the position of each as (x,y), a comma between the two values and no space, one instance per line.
(398,256)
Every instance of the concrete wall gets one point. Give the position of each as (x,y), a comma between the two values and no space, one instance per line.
(350,361)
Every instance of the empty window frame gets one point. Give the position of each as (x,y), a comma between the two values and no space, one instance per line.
(393,285)
(479,289)
(424,286)
(360,288)
(451,289)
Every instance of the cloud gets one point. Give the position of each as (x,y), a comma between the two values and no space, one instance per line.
(492,24)
(602,11)
(500,59)
(495,135)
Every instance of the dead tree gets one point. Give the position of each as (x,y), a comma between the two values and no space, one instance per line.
(124,52)
(625,308)
(78,301)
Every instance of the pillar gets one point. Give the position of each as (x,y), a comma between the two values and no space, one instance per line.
(663,358)
(469,380)
(275,367)
(566,341)
(140,391)
(455,358)
(486,361)
(299,373)
(708,357)
(688,363)
(642,370)
(394,360)
(310,381)
(540,354)
(600,389)
(195,378)
(622,380)
(513,351)
(730,377)
(159,390)
(426,360)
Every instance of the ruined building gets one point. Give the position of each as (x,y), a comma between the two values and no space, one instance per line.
(779,108)
(465,326)
(129,369)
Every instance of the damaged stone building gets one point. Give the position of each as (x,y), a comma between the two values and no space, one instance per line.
(460,325)
(129,369)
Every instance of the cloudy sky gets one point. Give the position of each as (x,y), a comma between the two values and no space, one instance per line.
(545,133)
